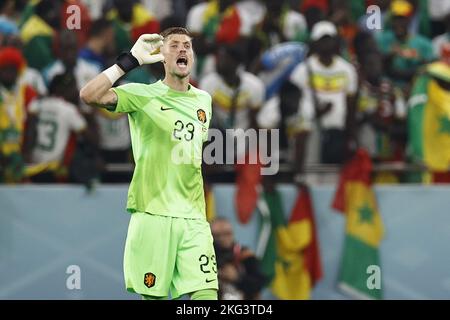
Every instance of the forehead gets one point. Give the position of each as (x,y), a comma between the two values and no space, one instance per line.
(178,38)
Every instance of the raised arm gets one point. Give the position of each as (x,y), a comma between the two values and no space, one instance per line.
(98,92)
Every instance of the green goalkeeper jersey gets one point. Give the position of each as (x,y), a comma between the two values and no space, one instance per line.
(168,128)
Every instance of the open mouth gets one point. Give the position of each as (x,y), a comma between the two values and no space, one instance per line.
(182,62)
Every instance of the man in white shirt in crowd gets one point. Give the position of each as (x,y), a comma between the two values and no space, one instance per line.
(53,119)
(237,95)
(69,61)
(328,84)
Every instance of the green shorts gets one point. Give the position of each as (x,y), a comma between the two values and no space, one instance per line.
(166,253)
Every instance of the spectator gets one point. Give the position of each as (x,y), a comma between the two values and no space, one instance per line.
(38,33)
(100,44)
(69,62)
(403,51)
(83,71)
(237,95)
(101,47)
(14,99)
(381,112)
(328,85)
(239,271)
(52,120)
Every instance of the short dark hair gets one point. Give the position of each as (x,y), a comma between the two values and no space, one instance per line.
(60,82)
(175,30)
(233,51)
(99,26)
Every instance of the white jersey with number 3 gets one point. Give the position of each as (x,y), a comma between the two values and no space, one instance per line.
(57,118)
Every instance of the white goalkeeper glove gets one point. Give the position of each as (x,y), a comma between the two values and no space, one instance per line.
(146,49)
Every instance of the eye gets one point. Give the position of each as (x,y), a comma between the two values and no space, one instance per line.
(187,46)
(174,46)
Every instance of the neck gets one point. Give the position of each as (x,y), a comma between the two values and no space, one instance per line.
(326,60)
(232,79)
(176,83)
(95,45)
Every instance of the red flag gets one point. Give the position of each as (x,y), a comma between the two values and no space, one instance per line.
(358,168)
(303,209)
(297,263)
(229,28)
(248,177)
(441,177)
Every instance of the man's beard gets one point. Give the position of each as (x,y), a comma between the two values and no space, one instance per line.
(181,76)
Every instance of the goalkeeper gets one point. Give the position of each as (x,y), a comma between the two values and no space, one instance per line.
(169,246)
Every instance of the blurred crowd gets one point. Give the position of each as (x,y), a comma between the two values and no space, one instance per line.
(328,74)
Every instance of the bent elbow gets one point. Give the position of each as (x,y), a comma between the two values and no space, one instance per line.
(86,96)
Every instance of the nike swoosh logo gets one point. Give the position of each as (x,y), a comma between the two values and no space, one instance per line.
(164,109)
(210,280)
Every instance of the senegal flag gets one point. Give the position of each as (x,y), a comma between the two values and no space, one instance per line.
(429,118)
(291,260)
(364,229)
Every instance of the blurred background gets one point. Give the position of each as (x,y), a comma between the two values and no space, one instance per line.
(359,91)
